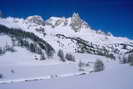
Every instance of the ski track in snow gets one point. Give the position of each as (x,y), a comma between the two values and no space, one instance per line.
(53,76)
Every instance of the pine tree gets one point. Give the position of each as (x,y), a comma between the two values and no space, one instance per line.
(98,66)
(70,57)
(61,55)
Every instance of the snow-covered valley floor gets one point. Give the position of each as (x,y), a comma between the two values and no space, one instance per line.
(116,76)
(54,74)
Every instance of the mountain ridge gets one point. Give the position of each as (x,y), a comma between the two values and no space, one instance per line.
(72,35)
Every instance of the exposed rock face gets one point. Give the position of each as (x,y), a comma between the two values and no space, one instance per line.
(55,21)
(77,23)
(36,19)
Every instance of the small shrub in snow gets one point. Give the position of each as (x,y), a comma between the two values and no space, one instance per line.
(98,66)
(11,49)
(1,76)
(42,57)
(130,59)
(61,55)
(81,65)
(12,71)
(70,57)
(36,58)
(111,56)
(127,59)
(1,51)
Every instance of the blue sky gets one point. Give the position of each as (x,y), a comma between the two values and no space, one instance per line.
(115,16)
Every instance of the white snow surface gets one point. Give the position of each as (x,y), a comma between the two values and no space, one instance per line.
(20,70)
(66,45)
(87,34)
(115,77)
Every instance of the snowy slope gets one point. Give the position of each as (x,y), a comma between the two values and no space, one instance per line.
(29,50)
(72,35)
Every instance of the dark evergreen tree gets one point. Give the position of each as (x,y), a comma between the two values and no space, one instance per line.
(98,66)
(1,76)
(70,57)
(42,57)
(61,55)
(22,36)
(130,59)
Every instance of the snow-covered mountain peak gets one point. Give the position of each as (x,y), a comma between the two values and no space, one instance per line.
(56,21)
(77,23)
(35,19)
(76,15)
(73,26)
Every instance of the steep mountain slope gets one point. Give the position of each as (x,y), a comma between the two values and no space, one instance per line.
(71,35)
